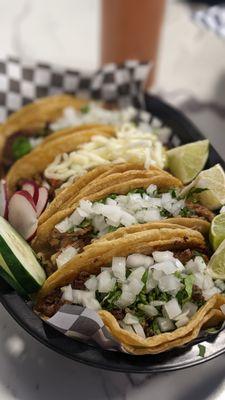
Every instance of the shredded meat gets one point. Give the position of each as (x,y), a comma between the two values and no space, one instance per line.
(8,156)
(50,304)
(185,255)
(78,239)
(118,314)
(197,294)
(201,211)
(79,282)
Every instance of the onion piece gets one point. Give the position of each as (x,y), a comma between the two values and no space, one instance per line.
(139,330)
(105,282)
(3,199)
(182,322)
(66,255)
(22,214)
(119,268)
(91,283)
(160,256)
(149,310)
(168,267)
(165,325)
(190,308)
(130,319)
(172,308)
(139,260)
(67,293)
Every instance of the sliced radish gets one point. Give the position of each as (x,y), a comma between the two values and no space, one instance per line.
(32,188)
(3,199)
(42,200)
(22,214)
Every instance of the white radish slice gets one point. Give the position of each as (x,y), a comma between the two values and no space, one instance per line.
(42,200)
(32,188)
(22,214)
(3,199)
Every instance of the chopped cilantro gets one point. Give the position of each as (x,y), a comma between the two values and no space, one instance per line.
(145,277)
(202,350)
(139,190)
(164,213)
(186,212)
(85,223)
(173,193)
(70,230)
(20,147)
(112,229)
(109,301)
(85,109)
(188,282)
(155,327)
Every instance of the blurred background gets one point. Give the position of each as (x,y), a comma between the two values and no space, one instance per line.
(190,64)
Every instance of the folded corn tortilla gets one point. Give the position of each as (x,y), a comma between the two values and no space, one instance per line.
(156,236)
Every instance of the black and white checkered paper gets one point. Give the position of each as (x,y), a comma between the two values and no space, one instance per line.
(21,83)
(212,18)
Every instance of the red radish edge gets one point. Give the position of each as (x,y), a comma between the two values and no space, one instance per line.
(42,200)
(33,191)
(3,199)
(22,214)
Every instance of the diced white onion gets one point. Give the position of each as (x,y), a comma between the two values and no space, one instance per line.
(172,308)
(75,218)
(160,256)
(168,267)
(64,225)
(136,274)
(91,283)
(67,293)
(127,328)
(168,283)
(149,310)
(190,308)
(66,255)
(130,319)
(165,325)
(139,330)
(182,321)
(105,282)
(119,268)
(86,299)
(139,260)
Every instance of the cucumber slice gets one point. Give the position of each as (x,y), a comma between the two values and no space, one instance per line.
(20,258)
(7,275)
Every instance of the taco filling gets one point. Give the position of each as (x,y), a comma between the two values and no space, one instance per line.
(21,143)
(92,220)
(147,295)
(130,144)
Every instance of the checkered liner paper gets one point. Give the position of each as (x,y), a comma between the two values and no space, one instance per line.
(212,18)
(21,83)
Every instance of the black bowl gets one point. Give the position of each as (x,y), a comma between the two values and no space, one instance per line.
(183,131)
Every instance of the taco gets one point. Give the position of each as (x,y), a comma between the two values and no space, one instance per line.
(62,160)
(150,286)
(121,196)
(27,128)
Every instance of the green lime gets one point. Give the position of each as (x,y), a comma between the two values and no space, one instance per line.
(217,231)
(185,162)
(216,264)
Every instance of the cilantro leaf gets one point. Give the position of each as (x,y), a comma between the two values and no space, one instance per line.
(188,282)
(164,213)
(186,212)
(85,109)
(202,350)
(20,147)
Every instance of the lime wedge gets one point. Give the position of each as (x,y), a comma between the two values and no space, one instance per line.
(216,264)
(185,162)
(212,179)
(217,231)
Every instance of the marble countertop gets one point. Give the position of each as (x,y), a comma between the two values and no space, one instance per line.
(30,371)
(37,30)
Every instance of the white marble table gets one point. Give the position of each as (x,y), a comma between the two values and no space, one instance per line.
(30,371)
